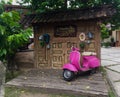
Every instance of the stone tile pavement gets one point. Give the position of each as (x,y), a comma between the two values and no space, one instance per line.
(110,59)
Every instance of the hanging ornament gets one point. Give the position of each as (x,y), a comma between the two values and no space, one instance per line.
(90,35)
(46,38)
(82,36)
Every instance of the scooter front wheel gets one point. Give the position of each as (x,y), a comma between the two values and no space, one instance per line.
(68,75)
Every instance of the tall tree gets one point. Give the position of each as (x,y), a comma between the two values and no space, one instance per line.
(12,36)
(2,3)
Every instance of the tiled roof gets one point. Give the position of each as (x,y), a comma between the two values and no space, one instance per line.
(68,15)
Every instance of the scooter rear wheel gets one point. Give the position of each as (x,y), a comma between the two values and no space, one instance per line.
(68,75)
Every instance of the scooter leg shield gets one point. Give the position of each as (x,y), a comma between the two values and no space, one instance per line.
(70,67)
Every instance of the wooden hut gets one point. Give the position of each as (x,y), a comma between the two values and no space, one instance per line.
(56,31)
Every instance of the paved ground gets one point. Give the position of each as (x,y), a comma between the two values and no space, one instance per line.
(111,61)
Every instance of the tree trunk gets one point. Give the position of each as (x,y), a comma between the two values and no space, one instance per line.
(65,4)
(10,64)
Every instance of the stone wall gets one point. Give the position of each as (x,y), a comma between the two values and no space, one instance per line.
(2,79)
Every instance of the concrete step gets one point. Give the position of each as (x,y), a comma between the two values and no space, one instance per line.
(51,81)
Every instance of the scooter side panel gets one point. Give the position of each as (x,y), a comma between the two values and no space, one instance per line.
(93,61)
(70,67)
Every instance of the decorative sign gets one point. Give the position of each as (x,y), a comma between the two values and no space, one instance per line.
(65,31)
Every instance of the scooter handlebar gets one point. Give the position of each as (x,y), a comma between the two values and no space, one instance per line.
(75,49)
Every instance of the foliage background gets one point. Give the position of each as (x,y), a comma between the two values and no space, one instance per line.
(12,35)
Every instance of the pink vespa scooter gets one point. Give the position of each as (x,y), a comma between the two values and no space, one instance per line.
(89,62)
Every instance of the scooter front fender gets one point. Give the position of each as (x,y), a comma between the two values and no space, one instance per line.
(70,67)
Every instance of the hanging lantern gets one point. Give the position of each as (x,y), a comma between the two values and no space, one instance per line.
(48,46)
(88,41)
(41,37)
(90,35)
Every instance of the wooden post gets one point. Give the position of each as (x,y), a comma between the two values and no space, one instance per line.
(2,79)
(65,4)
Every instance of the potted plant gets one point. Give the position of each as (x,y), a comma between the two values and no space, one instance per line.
(112,41)
(82,45)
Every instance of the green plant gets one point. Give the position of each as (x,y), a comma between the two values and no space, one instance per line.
(107,44)
(9,77)
(102,70)
(12,92)
(104,32)
(112,39)
(111,93)
(42,43)
(82,45)
(12,36)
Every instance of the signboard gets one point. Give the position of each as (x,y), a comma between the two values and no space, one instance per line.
(65,31)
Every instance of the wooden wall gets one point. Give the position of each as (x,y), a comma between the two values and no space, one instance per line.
(24,60)
(58,53)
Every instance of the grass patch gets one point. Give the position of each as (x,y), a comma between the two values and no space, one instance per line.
(102,70)
(111,94)
(18,92)
(12,92)
(9,76)
(64,96)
